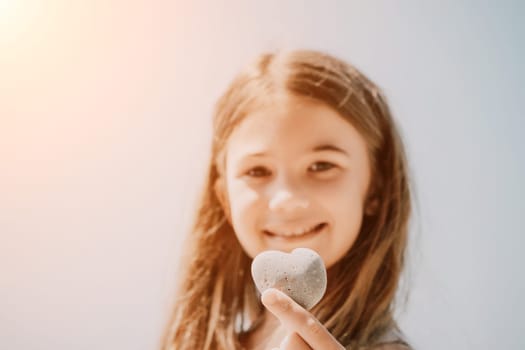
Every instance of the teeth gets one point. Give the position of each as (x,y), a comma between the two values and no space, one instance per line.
(298,232)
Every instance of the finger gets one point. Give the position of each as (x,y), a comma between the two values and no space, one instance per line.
(294,342)
(296,319)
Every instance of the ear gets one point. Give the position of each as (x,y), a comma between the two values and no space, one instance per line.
(220,192)
(372,203)
(372,206)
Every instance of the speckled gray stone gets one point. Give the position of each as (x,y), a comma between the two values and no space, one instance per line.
(300,274)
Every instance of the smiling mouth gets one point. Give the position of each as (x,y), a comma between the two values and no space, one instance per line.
(315,230)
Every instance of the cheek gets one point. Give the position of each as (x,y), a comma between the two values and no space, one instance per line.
(344,200)
(243,200)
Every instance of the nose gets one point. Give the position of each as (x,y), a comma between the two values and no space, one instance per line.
(286,201)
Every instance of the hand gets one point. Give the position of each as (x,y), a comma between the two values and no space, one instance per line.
(305,332)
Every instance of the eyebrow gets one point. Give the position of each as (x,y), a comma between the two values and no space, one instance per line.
(319,148)
(329,147)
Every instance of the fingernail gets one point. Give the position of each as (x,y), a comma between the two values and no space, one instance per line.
(269,297)
(285,341)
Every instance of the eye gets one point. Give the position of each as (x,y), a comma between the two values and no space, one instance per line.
(257,172)
(322,166)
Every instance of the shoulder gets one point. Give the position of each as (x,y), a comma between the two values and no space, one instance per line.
(391,346)
(388,346)
(394,339)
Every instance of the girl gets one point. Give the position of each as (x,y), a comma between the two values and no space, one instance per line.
(305,154)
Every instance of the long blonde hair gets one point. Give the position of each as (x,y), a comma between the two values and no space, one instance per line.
(216,296)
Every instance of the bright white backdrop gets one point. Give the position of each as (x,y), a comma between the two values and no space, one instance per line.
(104,133)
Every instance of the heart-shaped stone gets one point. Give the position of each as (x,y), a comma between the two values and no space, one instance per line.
(300,274)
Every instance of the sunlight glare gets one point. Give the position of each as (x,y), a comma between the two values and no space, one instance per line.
(14,19)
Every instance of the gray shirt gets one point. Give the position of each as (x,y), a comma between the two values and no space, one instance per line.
(392,340)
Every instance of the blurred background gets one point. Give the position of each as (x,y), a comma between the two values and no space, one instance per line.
(105,124)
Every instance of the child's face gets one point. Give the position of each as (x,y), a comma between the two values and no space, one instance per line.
(292,187)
